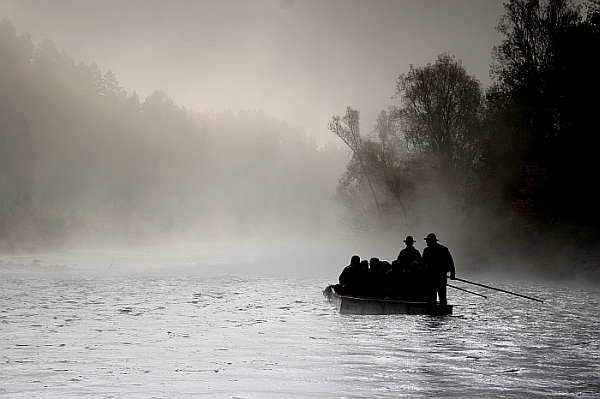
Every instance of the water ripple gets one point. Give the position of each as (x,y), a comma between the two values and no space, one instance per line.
(71,335)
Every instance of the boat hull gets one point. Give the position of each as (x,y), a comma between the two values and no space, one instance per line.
(347,304)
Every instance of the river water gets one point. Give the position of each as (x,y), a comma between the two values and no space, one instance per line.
(203,323)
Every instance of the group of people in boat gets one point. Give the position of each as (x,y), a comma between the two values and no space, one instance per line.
(412,276)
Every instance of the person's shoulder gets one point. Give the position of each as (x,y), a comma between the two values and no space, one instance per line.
(445,249)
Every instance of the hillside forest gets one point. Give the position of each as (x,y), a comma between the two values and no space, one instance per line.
(82,161)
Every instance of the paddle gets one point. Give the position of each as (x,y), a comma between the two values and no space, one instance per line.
(462,289)
(498,289)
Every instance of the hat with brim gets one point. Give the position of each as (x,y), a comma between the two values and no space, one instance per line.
(431,238)
(409,240)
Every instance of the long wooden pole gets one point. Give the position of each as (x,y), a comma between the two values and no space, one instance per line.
(462,289)
(498,289)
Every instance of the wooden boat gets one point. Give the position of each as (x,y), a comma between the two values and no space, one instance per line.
(352,304)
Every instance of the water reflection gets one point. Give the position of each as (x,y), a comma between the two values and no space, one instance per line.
(437,322)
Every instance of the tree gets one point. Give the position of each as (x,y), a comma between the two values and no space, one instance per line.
(441,111)
(110,88)
(17,159)
(391,162)
(422,158)
(529,62)
(347,128)
(545,78)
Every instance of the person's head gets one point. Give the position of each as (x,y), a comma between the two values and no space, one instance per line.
(364,264)
(431,239)
(355,260)
(374,263)
(409,241)
(386,265)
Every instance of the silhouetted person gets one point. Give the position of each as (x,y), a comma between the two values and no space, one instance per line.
(386,266)
(404,270)
(438,261)
(364,272)
(375,276)
(409,254)
(388,278)
(351,275)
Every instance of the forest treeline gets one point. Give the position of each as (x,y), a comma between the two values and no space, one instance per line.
(83,160)
(510,170)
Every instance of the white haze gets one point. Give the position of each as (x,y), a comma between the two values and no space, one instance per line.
(299,61)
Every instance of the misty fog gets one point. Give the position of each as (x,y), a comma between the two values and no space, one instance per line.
(180,180)
(90,158)
(224,133)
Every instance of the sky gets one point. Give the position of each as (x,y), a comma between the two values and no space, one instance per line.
(299,61)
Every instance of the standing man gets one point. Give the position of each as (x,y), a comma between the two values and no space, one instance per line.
(438,261)
(409,254)
(406,272)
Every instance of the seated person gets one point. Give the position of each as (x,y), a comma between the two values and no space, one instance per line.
(351,275)
(397,279)
(376,278)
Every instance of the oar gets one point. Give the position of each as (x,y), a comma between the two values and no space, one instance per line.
(462,289)
(498,289)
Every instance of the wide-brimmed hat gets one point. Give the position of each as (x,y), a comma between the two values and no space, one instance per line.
(431,237)
(409,240)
